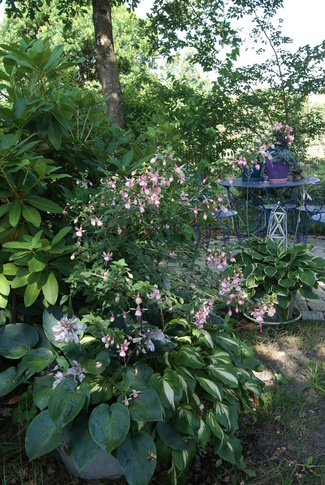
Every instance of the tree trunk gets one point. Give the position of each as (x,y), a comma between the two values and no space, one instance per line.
(106,63)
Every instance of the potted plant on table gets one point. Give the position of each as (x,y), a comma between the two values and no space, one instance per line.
(278,275)
(251,161)
(280,156)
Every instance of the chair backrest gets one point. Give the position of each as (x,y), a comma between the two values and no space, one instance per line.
(314,202)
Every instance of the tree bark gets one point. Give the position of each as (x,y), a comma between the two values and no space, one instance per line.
(106,63)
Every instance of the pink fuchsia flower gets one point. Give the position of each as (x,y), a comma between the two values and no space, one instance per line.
(107,257)
(123,350)
(155,294)
(138,300)
(126,401)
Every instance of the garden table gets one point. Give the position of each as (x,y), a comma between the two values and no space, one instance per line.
(253,201)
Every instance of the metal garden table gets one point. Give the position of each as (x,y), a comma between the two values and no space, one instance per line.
(253,201)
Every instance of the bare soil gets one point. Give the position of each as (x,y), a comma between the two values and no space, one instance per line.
(285,444)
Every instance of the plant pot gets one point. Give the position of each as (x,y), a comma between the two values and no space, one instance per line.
(254,173)
(277,171)
(102,466)
(296,315)
(293,313)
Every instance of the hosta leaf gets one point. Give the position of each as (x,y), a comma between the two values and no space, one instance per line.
(137,457)
(83,447)
(9,379)
(226,374)
(226,415)
(231,450)
(307,277)
(43,436)
(43,391)
(168,388)
(16,340)
(109,425)
(172,437)
(211,387)
(211,421)
(147,406)
(35,361)
(66,402)
(188,357)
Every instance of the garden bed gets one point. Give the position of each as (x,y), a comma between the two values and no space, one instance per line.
(285,443)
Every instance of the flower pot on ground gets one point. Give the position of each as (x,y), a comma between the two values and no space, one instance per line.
(278,274)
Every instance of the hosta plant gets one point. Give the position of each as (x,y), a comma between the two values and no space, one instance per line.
(279,274)
(144,385)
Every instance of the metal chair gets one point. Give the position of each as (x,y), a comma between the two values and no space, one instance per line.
(222,216)
(312,210)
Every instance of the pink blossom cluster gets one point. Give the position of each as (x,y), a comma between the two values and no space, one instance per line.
(231,289)
(283,133)
(202,314)
(264,308)
(145,189)
(218,258)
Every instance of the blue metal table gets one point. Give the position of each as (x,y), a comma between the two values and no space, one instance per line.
(253,201)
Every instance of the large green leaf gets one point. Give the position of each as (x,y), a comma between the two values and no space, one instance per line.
(14,213)
(109,425)
(215,389)
(308,277)
(147,406)
(137,457)
(83,447)
(172,437)
(31,215)
(46,205)
(43,436)
(35,361)
(188,357)
(226,373)
(226,415)
(42,391)
(31,293)
(16,340)
(168,388)
(51,289)
(66,402)
(37,263)
(231,450)
(4,285)
(9,379)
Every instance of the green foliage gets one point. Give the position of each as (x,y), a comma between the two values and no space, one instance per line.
(278,273)
(49,137)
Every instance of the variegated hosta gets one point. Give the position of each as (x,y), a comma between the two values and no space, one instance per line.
(140,391)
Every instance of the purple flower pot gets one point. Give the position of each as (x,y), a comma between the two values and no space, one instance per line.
(277,171)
